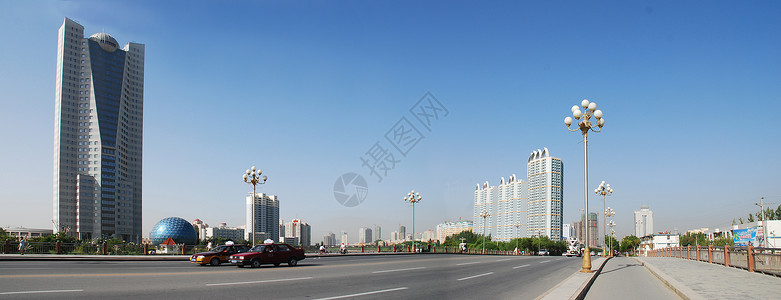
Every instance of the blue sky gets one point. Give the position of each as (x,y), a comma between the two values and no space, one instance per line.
(302,89)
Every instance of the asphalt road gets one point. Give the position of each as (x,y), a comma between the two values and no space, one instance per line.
(371,277)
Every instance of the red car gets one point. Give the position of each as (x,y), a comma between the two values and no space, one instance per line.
(275,254)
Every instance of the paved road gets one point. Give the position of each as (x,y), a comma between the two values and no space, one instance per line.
(390,277)
(623,278)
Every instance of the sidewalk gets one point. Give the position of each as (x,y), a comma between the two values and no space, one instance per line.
(623,277)
(572,287)
(701,280)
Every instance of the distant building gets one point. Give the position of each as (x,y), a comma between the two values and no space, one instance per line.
(344,239)
(506,206)
(298,229)
(402,232)
(592,228)
(577,229)
(658,241)
(294,241)
(566,231)
(329,240)
(224,232)
(365,235)
(446,229)
(27,232)
(377,233)
(200,228)
(266,222)
(644,221)
(428,235)
(546,194)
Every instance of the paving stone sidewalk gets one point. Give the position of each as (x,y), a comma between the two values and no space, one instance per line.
(702,280)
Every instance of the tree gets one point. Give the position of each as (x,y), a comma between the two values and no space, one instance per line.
(60,236)
(694,239)
(629,244)
(750,218)
(721,241)
(469,238)
(612,243)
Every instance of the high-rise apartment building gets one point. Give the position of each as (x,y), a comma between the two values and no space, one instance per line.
(402,232)
(644,221)
(98,135)
(329,239)
(365,235)
(377,233)
(506,207)
(593,229)
(546,194)
(345,240)
(444,230)
(300,230)
(266,221)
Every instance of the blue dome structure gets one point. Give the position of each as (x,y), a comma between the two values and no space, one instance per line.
(181,231)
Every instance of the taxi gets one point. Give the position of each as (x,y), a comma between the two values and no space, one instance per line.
(268,253)
(218,255)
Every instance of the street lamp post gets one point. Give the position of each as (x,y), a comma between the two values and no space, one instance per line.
(584,125)
(517,226)
(253,177)
(413,198)
(484,214)
(604,190)
(610,213)
(539,244)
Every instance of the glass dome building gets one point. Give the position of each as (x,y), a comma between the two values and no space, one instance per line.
(181,231)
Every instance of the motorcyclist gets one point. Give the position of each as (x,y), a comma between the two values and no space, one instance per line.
(343,248)
(322,249)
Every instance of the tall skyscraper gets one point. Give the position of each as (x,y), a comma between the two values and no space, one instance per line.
(546,194)
(329,239)
(402,232)
(365,235)
(98,135)
(644,221)
(505,205)
(377,233)
(266,222)
(593,229)
(345,240)
(300,230)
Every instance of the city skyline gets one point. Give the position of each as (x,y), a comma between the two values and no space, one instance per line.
(314,95)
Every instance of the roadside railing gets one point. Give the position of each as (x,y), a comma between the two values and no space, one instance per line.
(752,259)
(10,247)
(407,249)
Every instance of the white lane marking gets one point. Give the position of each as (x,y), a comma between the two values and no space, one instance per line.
(506,259)
(469,263)
(36,292)
(475,276)
(27,268)
(520,266)
(544,261)
(396,270)
(189,267)
(363,294)
(261,281)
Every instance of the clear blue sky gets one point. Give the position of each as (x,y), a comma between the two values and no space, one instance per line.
(302,89)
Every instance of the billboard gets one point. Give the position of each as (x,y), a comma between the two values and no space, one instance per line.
(745,237)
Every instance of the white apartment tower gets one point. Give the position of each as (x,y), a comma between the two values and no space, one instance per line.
(506,207)
(300,230)
(644,221)
(98,135)
(546,194)
(266,221)
(365,235)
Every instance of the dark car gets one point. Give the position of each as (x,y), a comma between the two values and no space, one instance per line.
(275,254)
(217,255)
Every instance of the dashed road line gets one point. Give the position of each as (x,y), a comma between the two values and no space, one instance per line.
(38,292)
(260,281)
(364,294)
(396,270)
(475,276)
(469,263)
(544,261)
(520,266)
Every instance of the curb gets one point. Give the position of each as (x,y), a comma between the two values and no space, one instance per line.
(581,291)
(674,285)
(55,257)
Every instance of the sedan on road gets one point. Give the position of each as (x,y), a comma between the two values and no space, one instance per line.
(275,254)
(217,255)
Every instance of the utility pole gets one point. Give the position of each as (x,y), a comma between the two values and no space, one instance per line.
(764,221)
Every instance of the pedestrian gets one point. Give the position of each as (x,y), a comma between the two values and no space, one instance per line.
(209,245)
(22,245)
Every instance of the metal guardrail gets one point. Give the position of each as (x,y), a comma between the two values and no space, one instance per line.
(753,259)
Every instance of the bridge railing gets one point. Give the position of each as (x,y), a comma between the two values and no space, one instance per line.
(753,259)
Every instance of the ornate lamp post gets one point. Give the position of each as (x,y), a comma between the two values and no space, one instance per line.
(609,213)
(252,176)
(604,190)
(612,232)
(584,125)
(413,198)
(484,214)
(517,226)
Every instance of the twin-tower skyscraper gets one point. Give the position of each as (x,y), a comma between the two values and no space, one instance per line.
(98,135)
